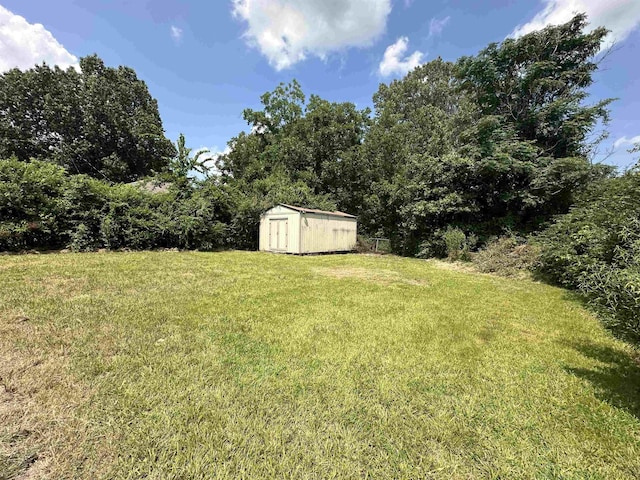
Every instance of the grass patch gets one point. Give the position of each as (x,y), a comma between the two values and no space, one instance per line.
(238,364)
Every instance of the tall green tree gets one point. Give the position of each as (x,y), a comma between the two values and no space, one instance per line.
(492,143)
(100,121)
(538,84)
(532,94)
(297,151)
(418,176)
(290,136)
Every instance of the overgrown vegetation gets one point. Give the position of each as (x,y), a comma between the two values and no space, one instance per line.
(595,248)
(41,206)
(489,144)
(241,364)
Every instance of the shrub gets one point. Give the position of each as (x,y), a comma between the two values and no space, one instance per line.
(42,207)
(458,244)
(30,204)
(506,256)
(200,219)
(452,243)
(595,248)
(84,200)
(455,241)
(434,246)
(615,293)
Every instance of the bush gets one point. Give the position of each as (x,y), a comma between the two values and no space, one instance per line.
(201,219)
(506,256)
(434,246)
(458,245)
(615,293)
(30,204)
(84,200)
(452,243)
(595,248)
(42,207)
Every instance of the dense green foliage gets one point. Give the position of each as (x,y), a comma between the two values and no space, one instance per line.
(458,148)
(595,248)
(99,121)
(490,144)
(535,86)
(42,207)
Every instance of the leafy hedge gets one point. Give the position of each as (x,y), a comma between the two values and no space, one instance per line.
(42,207)
(595,248)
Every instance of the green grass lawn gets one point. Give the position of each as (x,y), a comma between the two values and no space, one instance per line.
(170,365)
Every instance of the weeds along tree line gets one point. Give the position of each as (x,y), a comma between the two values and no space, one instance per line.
(454,156)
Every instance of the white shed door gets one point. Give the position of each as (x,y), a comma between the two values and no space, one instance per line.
(278,234)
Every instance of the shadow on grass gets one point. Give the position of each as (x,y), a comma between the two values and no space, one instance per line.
(617,381)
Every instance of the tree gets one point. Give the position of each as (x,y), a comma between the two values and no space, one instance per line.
(100,121)
(291,137)
(183,163)
(531,93)
(419,169)
(297,152)
(490,144)
(636,149)
(538,83)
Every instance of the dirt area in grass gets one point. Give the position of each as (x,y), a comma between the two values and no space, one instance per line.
(379,276)
(465,267)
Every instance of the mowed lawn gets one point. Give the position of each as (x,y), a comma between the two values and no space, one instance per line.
(167,365)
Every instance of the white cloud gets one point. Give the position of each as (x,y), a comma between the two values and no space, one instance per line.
(209,158)
(287,31)
(626,141)
(176,33)
(437,26)
(619,16)
(395,61)
(24,44)
(211,153)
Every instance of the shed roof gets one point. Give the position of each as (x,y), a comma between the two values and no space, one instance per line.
(320,212)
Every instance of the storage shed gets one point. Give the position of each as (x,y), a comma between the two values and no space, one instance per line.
(289,229)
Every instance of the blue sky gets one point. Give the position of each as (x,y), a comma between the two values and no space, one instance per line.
(205,61)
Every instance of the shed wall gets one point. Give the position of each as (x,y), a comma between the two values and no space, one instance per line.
(293,222)
(327,233)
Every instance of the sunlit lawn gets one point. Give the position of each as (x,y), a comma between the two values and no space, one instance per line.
(246,365)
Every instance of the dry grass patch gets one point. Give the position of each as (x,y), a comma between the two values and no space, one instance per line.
(464,267)
(379,276)
(58,286)
(40,430)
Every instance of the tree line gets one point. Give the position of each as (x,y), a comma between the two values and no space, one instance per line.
(492,145)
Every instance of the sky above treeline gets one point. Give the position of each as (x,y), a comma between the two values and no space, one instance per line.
(205,61)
